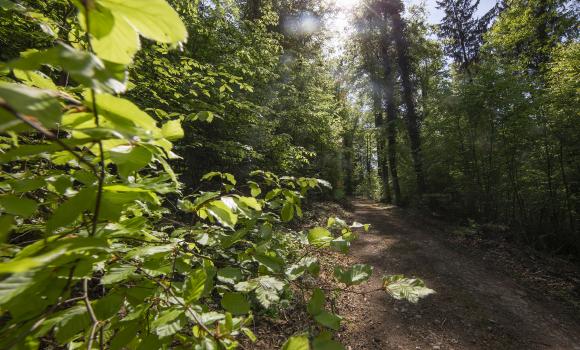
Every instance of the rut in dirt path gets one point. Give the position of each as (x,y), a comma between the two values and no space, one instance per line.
(475,307)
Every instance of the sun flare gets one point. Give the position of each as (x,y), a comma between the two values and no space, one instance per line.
(347,4)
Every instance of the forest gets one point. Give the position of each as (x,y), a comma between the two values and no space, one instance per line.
(289,174)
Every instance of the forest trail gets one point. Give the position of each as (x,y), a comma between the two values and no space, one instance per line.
(475,307)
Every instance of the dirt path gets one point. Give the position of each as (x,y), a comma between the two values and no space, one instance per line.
(475,307)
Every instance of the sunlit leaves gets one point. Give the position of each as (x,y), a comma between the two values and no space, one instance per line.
(130,159)
(172,130)
(195,285)
(299,342)
(355,274)
(85,68)
(115,26)
(168,323)
(266,288)
(222,213)
(125,116)
(319,236)
(38,107)
(410,289)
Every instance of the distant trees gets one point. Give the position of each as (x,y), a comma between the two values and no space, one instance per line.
(495,134)
(463,30)
(383,49)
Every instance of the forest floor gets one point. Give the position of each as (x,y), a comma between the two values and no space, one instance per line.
(490,294)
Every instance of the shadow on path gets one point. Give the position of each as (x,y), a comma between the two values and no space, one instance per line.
(474,308)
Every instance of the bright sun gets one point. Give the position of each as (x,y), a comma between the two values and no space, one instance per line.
(347,4)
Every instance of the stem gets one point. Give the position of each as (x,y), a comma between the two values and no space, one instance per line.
(96,115)
(33,123)
(91,313)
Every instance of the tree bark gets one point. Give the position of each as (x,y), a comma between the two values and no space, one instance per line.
(383,167)
(412,119)
(391,113)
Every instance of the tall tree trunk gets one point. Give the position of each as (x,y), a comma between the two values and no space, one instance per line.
(368,162)
(348,149)
(408,90)
(391,113)
(383,167)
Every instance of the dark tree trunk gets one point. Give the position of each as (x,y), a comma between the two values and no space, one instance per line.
(348,149)
(391,113)
(383,167)
(408,90)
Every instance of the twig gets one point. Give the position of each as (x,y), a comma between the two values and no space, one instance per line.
(91,314)
(96,115)
(33,123)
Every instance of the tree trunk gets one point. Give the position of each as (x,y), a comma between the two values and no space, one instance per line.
(391,113)
(383,167)
(408,90)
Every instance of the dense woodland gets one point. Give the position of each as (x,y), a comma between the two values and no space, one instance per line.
(154,153)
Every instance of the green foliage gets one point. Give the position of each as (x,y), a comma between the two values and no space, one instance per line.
(94,252)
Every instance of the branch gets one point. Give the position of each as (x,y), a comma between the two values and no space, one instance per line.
(33,123)
(91,314)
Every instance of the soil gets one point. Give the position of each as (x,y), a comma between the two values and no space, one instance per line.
(477,305)
(490,294)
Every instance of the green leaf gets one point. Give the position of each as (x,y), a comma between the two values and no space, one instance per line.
(70,210)
(6,225)
(24,261)
(250,202)
(72,322)
(172,130)
(287,212)
(130,159)
(410,289)
(125,334)
(150,342)
(355,274)
(37,79)
(230,275)
(297,342)
(20,206)
(168,323)
(112,37)
(321,343)
(309,264)
(248,332)
(115,26)
(85,68)
(14,285)
(222,213)
(328,319)
(195,285)
(270,260)
(316,303)
(319,236)
(125,116)
(117,274)
(236,303)
(150,250)
(37,106)
(254,189)
(340,245)
(267,290)
(204,116)
(156,21)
